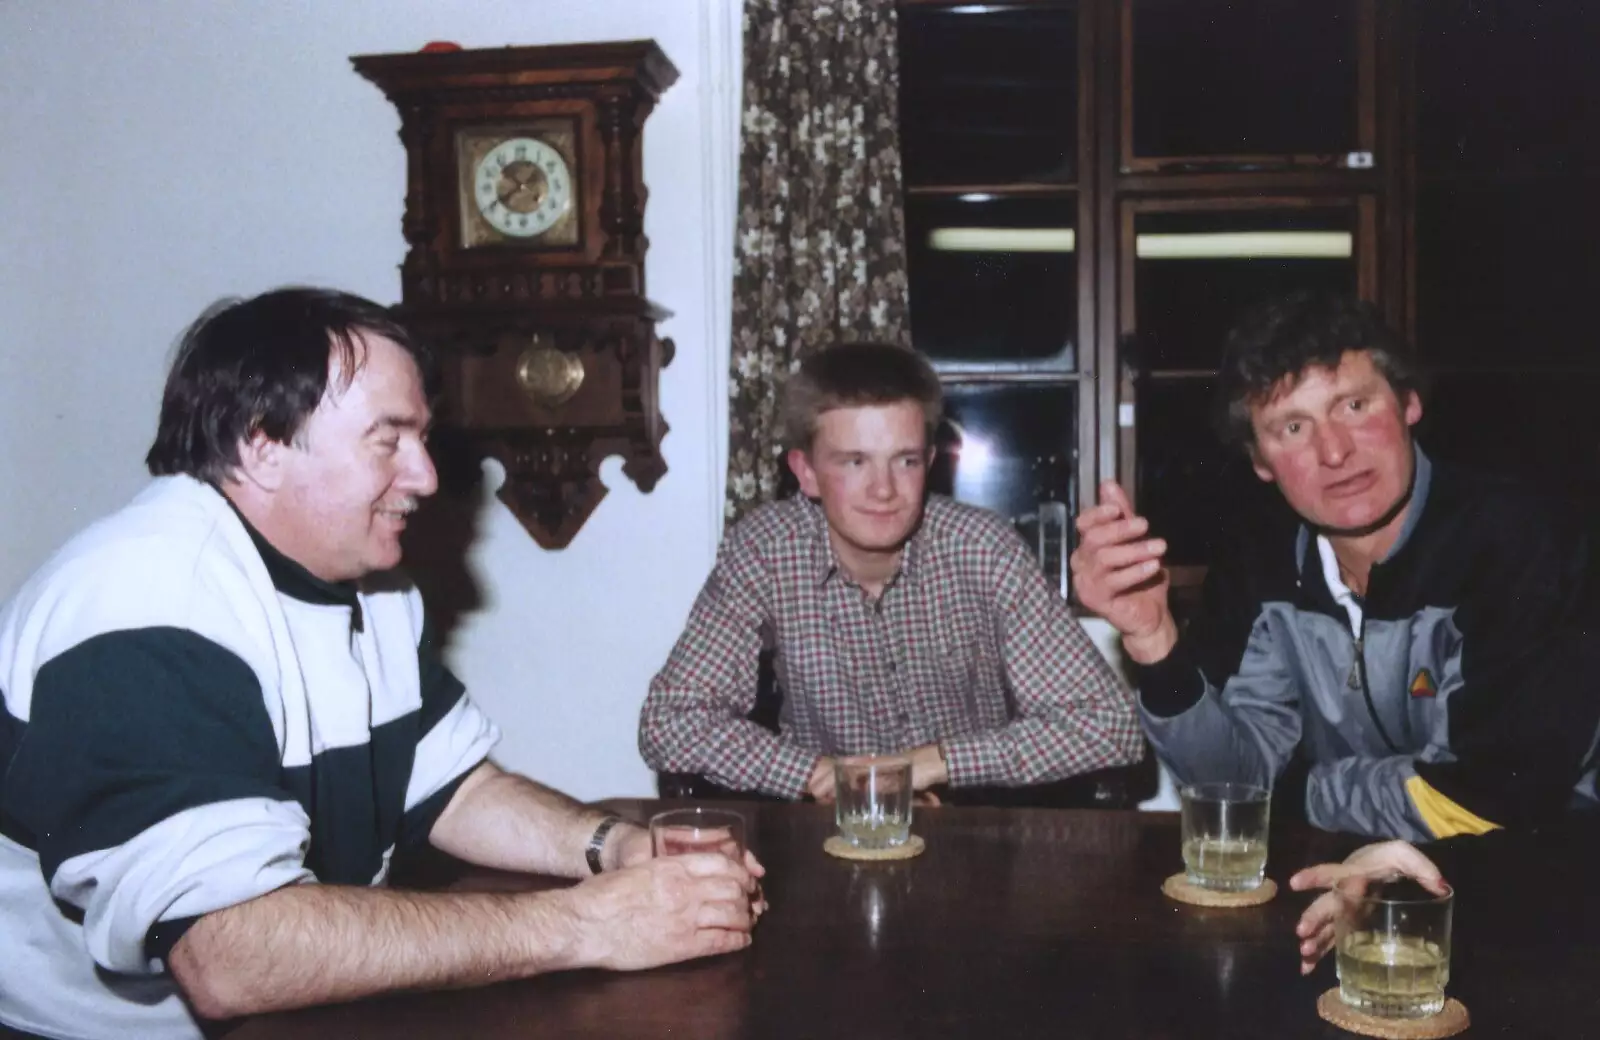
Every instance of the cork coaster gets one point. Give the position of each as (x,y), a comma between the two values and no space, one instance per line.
(1452,1020)
(1179,887)
(837,846)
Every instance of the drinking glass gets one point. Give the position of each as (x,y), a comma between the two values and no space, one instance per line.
(1225,835)
(872,800)
(681,832)
(1393,950)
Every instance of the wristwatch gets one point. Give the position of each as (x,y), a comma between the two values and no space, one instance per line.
(598,841)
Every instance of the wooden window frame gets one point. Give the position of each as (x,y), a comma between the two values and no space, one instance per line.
(1112,186)
(1366,114)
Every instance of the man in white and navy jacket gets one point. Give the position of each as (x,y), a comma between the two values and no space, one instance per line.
(224,712)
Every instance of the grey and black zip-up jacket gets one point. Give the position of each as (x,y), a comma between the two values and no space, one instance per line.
(1467,698)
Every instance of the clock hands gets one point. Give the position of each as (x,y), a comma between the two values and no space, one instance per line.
(522,186)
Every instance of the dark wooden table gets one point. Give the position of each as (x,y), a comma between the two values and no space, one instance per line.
(1014,923)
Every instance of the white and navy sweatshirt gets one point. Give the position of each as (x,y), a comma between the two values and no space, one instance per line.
(192,720)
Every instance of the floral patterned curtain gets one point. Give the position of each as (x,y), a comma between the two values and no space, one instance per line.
(820,254)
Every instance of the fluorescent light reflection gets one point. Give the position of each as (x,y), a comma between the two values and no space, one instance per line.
(974,456)
(1246,245)
(974,464)
(1212,245)
(1002,240)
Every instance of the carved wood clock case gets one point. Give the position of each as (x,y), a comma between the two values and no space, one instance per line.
(524,219)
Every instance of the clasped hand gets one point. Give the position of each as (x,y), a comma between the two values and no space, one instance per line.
(658,910)
(927,770)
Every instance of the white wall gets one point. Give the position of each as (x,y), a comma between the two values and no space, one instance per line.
(156,156)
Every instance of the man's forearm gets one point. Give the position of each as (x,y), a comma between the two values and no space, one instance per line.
(1171,684)
(506,821)
(689,738)
(1365,795)
(1039,749)
(315,944)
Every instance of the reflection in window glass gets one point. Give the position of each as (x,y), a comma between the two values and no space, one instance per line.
(1197,493)
(1013,449)
(988,96)
(1196,272)
(992,279)
(1244,77)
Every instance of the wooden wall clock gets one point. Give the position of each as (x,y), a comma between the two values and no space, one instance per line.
(524,221)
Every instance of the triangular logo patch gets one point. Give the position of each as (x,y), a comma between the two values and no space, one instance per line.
(1423,685)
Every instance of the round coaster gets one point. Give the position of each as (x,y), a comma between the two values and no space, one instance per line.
(1452,1020)
(1179,887)
(837,846)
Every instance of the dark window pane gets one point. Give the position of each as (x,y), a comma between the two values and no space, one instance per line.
(1197,493)
(1013,449)
(1195,272)
(1508,271)
(1507,86)
(1244,77)
(989,97)
(1541,427)
(993,279)
(1506,223)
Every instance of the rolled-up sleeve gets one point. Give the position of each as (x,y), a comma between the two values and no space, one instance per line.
(148,782)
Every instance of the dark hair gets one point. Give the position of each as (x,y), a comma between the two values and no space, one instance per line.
(1284,337)
(262,365)
(851,375)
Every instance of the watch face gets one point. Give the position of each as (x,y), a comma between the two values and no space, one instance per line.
(519,185)
(522,187)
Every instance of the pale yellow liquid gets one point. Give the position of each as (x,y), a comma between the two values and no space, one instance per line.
(1392,976)
(866,831)
(1226,865)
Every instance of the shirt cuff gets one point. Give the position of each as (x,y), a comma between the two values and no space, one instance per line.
(1170,686)
(790,769)
(969,761)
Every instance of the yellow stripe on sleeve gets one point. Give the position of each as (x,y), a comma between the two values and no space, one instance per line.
(1444,818)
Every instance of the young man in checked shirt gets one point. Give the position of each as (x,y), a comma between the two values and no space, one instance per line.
(901,621)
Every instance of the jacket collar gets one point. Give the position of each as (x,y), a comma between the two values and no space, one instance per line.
(293,580)
(1421,481)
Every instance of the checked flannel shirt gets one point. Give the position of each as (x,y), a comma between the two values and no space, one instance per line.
(968,646)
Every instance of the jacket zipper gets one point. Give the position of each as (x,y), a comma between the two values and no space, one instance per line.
(1358,680)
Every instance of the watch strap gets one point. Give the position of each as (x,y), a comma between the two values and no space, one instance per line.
(597,841)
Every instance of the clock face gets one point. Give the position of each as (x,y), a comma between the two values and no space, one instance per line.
(522,187)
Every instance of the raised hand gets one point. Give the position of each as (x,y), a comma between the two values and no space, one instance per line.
(1117,573)
(1348,882)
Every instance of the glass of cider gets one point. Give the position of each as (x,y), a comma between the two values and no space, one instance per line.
(1392,947)
(1225,835)
(684,832)
(872,800)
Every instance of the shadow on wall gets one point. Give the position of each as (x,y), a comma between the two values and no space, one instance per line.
(440,535)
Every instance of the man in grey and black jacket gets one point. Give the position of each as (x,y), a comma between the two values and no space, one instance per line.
(1418,657)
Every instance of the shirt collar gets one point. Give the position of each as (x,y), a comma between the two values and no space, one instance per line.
(293,580)
(1341,592)
(825,564)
